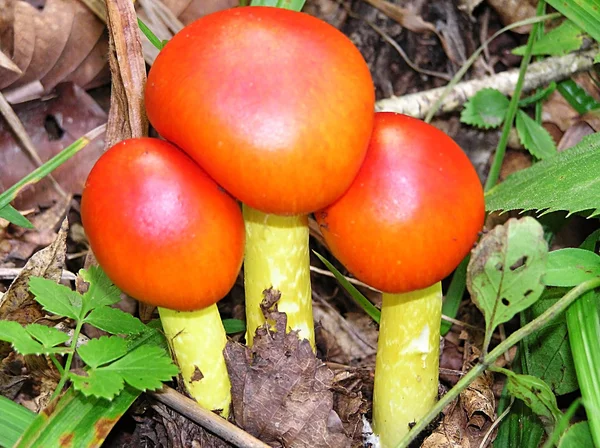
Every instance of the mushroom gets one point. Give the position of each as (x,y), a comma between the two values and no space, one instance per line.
(411,215)
(277,107)
(166,234)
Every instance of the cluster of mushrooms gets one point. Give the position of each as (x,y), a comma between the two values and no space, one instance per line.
(275,109)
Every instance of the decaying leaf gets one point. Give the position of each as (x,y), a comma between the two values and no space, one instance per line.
(17,304)
(281,392)
(52,125)
(511,11)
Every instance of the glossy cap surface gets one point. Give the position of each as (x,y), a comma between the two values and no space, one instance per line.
(412,213)
(162,230)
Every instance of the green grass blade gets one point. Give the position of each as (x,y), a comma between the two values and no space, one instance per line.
(35,176)
(14,420)
(364,303)
(234,326)
(294,5)
(12,215)
(454,295)
(154,40)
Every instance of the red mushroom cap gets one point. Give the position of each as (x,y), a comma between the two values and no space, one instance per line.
(413,211)
(276,105)
(161,229)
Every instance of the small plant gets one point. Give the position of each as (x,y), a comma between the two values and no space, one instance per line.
(112,361)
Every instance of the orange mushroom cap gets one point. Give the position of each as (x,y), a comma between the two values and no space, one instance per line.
(276,105)
(413,211)
(162,230)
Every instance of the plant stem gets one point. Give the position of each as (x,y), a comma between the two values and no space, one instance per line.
(513,106)
(407,364)
(277,257)
(546,317)
(65,373)
(583,323)
(197,339)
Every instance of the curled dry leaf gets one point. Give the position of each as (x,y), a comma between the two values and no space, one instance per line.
(511,11)
(52,126)
(281,392)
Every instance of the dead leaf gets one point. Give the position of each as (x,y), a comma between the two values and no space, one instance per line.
(52,125)
(511,11)
(281,392)
(17,304)
(408,17)
(478,401)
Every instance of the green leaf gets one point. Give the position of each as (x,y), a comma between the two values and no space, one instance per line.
(563,39)
(294,5)
(563,424)
(48,336)
(80,420)
(538,95)
(534,137)
(486,109)
(571,266)
(536,394)
(12,215)
(568,181)
(584,13)
(454,295)
(20,339)
(98,383)
(577,97)
(55,298)
(548,353)
(103,350)
(102,291)
(114,321)
(362,301)
(145,368)
(577,436)
(14,420)
(234,326)
(150,35)
(505,273)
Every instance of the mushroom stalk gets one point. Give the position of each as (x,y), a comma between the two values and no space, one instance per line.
(407,363)
(197,339)
(277,257)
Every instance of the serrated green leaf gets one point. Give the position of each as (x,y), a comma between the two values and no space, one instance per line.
(561,40)
(548,353)
(48,336)
(114,321)
(13,216)
(568,181)
(58,299)
(584,13)
(16,335)
(103,350)
(14,420)
(234,326)
(99,383)
(577,436)
(102,291)
(536,394)
(505,273)
(145,368)
(534,137)
(486,109)
(571,266)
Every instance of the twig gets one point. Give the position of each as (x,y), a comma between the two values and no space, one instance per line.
(12,273)
(215,424)
(538,74)
(493,426)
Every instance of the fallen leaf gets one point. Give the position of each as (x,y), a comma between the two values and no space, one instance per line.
(281,393)
(408,17)
(511,11)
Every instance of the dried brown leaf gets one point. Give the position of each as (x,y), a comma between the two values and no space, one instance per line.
(478,401)
(52,125)
(511,11)
(408,17)
(17,303)
(281,392)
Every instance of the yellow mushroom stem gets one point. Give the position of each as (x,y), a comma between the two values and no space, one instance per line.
(277,257)
(197,339)
(407,363)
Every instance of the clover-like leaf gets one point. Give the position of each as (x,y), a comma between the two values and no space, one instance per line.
(486,109)
(48,336)
(20,339)
(58,299)
(102,291)
(534,137)
(101,351)
(114,321)
(506,269)
(99,383)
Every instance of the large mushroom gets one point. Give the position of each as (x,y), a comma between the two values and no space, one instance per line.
(277,107)
(166,234)
(411,215)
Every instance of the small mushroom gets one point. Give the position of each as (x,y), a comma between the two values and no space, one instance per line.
(412,214)
(166,234)
(277,106)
